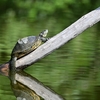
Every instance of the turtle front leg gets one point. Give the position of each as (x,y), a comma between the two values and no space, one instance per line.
(44,39)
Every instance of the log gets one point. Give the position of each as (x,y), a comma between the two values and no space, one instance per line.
(55,42)
(60,39)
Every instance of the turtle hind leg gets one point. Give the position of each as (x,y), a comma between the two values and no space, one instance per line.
(13,63)
(13,69)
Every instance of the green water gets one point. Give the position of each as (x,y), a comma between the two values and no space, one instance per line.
(72,70)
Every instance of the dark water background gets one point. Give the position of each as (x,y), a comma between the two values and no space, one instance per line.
(73,70)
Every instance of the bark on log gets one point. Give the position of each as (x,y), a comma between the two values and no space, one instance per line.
(60,39)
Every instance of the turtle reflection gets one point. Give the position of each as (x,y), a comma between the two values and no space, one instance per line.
(21,91)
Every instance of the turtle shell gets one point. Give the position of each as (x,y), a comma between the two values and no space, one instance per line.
(26,45)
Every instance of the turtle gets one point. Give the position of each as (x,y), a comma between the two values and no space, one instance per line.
(23,47)
(28,44)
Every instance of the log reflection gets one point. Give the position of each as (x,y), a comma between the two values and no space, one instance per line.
(29,88)
(21,91)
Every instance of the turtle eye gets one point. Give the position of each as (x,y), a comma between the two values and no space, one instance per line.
(43,33)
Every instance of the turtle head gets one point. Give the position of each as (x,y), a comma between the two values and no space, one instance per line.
(43,33)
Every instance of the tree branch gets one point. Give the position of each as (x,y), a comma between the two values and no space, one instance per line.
(60,39)
(55,42)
